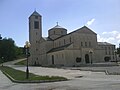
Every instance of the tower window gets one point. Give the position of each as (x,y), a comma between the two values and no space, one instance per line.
(36,17)
(36,25)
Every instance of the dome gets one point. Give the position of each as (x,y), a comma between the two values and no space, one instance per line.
(58,27)
(57,31)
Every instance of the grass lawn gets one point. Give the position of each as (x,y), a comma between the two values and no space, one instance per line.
(23,62)
(21,76)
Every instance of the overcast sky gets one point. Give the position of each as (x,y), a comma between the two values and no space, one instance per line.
(102,16)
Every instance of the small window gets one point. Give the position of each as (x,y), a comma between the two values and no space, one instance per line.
(70,39)
(62,56)
(105,48)
(56,55)
(59,43)
(89,44)
(106,52)
(109,53)
(112,52)
(36,17)
(81,43)
(113,57)
(37,58)
(64,41)
(36,25)
(86,44)
(54,32)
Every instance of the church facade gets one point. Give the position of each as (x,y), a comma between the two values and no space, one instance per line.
(66,49)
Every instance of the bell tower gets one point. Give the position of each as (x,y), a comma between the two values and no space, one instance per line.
(35,34)
(35,27)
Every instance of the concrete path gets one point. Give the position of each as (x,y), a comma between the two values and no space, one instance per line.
(13,62)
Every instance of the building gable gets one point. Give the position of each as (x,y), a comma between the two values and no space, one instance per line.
(85,30)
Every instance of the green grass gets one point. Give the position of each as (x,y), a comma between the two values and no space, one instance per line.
(21,63)
(21,76)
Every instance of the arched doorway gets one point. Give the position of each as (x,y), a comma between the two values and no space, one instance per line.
(107,59)
(87,58)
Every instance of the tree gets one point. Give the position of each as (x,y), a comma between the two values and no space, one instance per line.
(7,49)
(19,52)
(118,50)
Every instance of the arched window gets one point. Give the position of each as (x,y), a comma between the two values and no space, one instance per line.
(70,39)
(89,44)
(86,44)
(81,43)
(64,41)
(54,32)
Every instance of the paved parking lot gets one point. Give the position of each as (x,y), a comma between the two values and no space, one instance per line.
(89,81)
(70,74)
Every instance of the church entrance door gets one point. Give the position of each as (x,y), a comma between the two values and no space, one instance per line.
(87,58)
(53,59)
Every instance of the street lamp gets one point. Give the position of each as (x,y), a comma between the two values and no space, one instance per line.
(115,55)
(27,46)
(91,52)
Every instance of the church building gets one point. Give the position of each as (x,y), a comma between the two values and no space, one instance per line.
(66,49)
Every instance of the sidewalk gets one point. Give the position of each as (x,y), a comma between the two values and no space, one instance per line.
(5,82)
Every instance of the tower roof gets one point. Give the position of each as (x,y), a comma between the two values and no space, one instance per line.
(35,13)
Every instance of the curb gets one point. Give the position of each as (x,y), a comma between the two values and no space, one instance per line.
(105,71)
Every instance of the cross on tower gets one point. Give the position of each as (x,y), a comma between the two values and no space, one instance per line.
(57,23)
